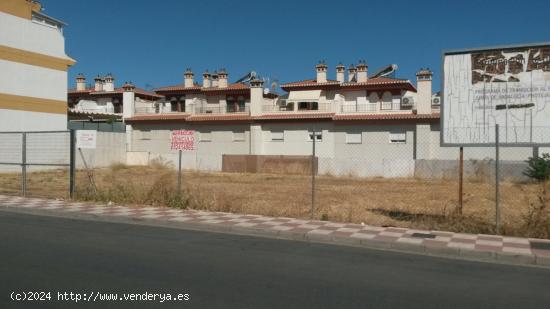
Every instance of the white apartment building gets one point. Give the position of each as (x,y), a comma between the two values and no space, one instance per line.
(364,125)
(33,69)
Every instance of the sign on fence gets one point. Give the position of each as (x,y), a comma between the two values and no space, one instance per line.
(508,86)
(86,139)
(183,140)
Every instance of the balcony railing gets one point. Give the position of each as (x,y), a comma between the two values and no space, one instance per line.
(155,110)
(228,109)
(390,106)
(297,107)
(360,108)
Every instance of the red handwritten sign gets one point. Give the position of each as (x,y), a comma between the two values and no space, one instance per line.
(183,140)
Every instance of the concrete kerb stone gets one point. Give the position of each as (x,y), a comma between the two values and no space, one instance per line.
(428,247)
(542,260)
(516,258)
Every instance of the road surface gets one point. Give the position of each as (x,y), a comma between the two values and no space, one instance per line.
(40,253)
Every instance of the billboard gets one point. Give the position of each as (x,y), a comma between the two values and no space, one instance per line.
(508,86)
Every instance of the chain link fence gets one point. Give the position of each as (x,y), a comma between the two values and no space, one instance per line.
(381,177)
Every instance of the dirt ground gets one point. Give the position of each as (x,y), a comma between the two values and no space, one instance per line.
(400,202)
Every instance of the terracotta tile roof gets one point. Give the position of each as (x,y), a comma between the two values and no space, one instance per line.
(178,116)
(180,87)
(138,91)
(219,117)
(290,116)
(296,116)
(384,116)
(234,86)
(376,82)
(309,83)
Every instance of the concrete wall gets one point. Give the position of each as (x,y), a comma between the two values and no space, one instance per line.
(373,155)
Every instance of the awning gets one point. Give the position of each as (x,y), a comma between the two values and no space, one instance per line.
(304,95)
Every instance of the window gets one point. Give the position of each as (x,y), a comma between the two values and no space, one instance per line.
(145,135)
(308,106)
(238,136)
(318,136)
(278,136)
(354,138)
(398,138)
(206,136)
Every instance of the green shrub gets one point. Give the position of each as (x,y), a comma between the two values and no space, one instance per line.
(538,167)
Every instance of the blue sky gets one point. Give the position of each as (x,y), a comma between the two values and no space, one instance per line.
(152,42)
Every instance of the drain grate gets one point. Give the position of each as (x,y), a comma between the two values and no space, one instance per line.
(540,245)
(423,235)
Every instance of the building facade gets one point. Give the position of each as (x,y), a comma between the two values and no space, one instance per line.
(32,49)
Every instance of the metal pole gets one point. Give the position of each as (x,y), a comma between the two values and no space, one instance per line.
(460,180)
(313,176)
(24,164)
(72,157)
(497,206)
(179,174)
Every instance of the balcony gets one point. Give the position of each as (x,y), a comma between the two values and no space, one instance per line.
(381,107)
(222,109)
(297,107)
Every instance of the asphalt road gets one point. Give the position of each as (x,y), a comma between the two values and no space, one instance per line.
(229,271)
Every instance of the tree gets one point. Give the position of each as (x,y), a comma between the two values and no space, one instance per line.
(538,167)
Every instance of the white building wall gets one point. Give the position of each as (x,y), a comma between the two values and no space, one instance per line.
(30,36)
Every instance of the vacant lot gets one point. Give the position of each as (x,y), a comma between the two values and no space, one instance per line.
(393,202)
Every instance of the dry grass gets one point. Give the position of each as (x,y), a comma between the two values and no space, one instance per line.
(388,202)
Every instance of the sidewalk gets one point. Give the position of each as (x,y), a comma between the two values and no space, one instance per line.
(469,246)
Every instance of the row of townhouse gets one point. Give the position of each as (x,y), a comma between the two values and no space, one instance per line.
(362,125)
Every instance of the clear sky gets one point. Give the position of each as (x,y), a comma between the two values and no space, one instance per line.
(152,42)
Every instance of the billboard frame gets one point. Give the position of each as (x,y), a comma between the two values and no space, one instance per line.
(442,83)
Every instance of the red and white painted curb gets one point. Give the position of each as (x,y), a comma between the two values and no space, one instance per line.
(507,249)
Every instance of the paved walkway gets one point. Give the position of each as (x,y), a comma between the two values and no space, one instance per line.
(471,246)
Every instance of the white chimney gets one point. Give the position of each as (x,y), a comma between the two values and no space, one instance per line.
(362,71)
(188,78)
(128,100)
(256,96)
(351,73)
(424,91)
(340,70)
(206,82)
(222,78)
(321,72)
(109,84)
(215,80)
(98,83)
(80,82)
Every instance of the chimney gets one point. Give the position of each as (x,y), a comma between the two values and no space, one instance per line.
(321,72)
(351,73)
(362,71)
(109,84)
(80,82)
(206,82)
(98,83)
(340,69)
(215,80)
(188,78)
(222,78)
(424,91)
(128,100)
(256,96)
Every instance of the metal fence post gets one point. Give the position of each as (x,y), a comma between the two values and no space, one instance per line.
(313,175)
(179,174)
(72,164)
(497,206)
(24,164)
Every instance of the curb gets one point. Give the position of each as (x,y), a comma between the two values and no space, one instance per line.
(402,245)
